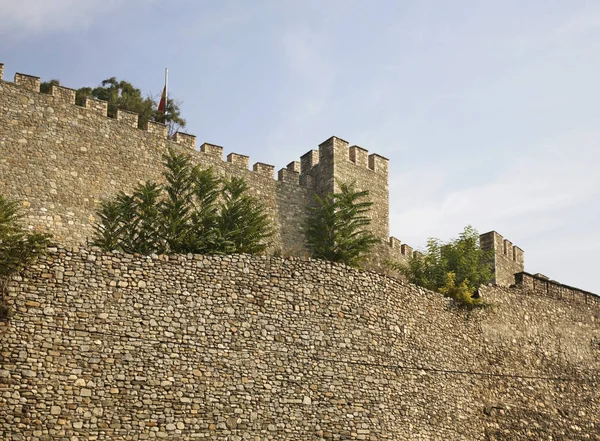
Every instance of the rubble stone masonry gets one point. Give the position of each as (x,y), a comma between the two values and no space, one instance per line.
(110,346)
(106,346)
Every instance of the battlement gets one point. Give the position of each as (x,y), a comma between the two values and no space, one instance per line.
(492,240)
(509,259)
(66,96)
(28,82)
(339,150)
(541,285)
(301,173)
(400,249)
(90,142)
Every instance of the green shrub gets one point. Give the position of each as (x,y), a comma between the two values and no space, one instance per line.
(193,212)
(462,293)
(337,228)
(455,268)
(18,247)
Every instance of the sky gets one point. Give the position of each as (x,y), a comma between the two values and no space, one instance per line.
(488,111)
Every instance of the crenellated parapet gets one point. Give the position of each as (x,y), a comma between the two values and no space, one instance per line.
(317,170)
(66,96)
(77,155)
(399,249)
(542,285)
(337,162)
(291,173)
(508,258)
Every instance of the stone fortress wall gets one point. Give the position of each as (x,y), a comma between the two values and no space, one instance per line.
(109,346)
(62,159)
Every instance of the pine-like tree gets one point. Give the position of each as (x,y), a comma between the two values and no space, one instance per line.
(178,204)
(337,228)
(18,247)
(205,234)
(242,224)
(194,212)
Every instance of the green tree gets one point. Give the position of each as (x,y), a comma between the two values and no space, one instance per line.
(108,232)
(178,203)
(120,94)
(455,268)
(337,228)
(123,95)
(46,86)
(131,223)
(205,234)
(18,247)
(242,224)
(193,212)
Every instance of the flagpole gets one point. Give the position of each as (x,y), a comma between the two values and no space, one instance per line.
(166,91)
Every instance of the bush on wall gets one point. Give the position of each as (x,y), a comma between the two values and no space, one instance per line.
(337,228)
(193,212)
(18,247)
(455,268)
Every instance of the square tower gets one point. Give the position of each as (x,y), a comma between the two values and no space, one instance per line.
(336,162)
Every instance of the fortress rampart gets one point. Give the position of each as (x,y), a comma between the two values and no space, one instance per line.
(62,159)
(109,346)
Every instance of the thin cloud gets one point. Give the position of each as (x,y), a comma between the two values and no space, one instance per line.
(28,17)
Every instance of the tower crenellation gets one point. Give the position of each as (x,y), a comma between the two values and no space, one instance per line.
(508,259)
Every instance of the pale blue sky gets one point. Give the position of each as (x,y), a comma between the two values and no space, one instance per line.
(489,111)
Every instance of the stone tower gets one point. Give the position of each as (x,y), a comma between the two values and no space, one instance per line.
(508,258)
(336,162)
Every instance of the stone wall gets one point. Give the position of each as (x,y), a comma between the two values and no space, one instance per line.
(117,347)
(61,159)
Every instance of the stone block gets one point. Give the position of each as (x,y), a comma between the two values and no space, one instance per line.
(28,82)
(239,160)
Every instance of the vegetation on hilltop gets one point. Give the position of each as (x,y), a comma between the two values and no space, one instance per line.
(337,227)
(193,212)
(123,95)
(18,247)
(455,268)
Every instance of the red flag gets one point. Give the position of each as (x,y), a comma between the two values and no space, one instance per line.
(163,101)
